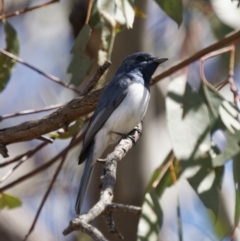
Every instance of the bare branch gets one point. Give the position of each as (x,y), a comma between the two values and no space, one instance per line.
(29,130)
(84,105)
(23,159)
(49,76)
(232,37)
(108,184)
(2,7)
(24,10)
(95,78)
(24,155)
(33,111)
(44,166)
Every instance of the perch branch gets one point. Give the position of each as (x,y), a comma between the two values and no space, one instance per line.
(107,190)
(85,104)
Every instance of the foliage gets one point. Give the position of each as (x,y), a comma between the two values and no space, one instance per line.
(12,46)
(204,127)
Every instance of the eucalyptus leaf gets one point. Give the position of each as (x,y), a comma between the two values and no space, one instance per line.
(223,117)
(80,64)
(206,182)
(173,8)
(12,46)
(188,121)
(9,201)
(151,218)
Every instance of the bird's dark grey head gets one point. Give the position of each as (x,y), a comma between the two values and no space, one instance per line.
(141,63)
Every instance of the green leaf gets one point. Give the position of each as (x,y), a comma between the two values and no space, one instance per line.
(206,182)
(80,65)
(9,201)
(188,121)
(151,218)
(223,116)
(173,8)
(6,63)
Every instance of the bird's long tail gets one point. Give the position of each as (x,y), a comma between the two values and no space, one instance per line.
(85,180)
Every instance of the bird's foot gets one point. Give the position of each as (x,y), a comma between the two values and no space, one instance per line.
(102,161)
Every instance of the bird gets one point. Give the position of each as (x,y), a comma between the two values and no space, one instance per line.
(121,107)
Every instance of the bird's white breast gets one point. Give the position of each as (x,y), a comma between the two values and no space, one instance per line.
(126,116)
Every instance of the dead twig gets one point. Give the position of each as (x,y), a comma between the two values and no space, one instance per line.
(81,106)
(49,76)
(21,161)
(33,111)
(95,78)
(24,10)
(44,166)
(48,191)
(23,156)
(228,39)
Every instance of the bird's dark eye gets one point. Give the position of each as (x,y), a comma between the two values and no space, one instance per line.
(141,58)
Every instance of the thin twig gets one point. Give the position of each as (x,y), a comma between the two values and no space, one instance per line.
(23,159)
(163,171)
(43,167)
(33,111)
(90,3)
(49,76)
(24,10)
(81,106)
(47,192)
(229,80)
(24,155)
(45,139)
(2,8)
(228,39)
(95,78)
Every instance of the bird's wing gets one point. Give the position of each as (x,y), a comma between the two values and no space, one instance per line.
(114,94)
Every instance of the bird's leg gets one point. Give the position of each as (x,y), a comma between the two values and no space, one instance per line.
(124,136)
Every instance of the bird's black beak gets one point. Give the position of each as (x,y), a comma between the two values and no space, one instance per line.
(159,60)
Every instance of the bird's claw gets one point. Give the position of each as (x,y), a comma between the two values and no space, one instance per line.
(132,139)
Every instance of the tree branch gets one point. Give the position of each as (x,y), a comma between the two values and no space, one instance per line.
(44,166)
(83,105)
(24,10)
(228,39)
(48,191)
(49,76)
(104,205)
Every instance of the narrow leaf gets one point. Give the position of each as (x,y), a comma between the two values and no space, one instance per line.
(80,64)
(188,121)
(9,201)
(151,218)
(173,8)
(6,63)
